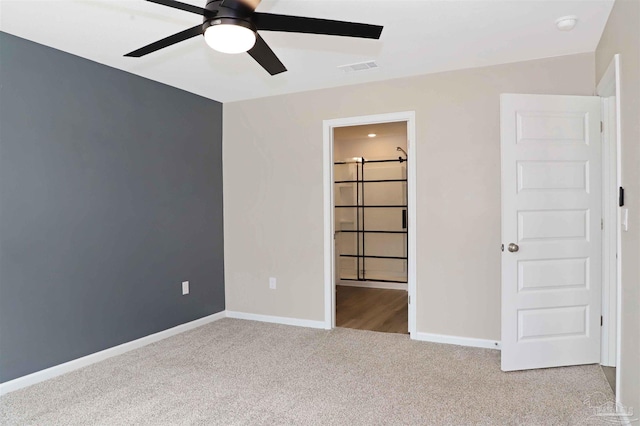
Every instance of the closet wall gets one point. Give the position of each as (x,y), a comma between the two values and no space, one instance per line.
(383,253)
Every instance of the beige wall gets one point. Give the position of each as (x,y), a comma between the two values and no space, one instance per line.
(370,149)
(353,141)
(273,185)
(622,35)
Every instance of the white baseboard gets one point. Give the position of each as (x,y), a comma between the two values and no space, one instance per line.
(67,367)
(456,340)
(277,320)
(57,370)
(374,284)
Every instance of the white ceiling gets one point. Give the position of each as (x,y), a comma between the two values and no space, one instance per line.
(420,37)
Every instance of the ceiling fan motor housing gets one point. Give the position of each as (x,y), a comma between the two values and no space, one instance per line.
(223,14)
(218,20)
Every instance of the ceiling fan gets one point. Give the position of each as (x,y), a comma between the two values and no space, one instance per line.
(231,26)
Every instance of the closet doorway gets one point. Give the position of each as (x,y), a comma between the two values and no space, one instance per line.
(371,226)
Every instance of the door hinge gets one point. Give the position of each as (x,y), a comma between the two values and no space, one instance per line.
(409,300)
(621,197)
(602,224)
(601,321)
(601,127)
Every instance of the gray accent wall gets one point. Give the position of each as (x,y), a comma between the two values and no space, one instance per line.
(110,197)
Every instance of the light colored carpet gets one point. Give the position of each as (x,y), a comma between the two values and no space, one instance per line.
(235,372)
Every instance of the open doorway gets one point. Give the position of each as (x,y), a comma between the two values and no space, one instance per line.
(370,232)
(371,229)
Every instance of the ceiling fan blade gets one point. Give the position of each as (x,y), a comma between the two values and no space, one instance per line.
(263,55)
(181,6)
(299,24)
(165,42)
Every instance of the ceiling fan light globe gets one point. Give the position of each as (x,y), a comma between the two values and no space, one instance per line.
(229,38)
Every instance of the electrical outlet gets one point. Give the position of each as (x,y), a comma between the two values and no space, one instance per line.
(185,287)
(272,283)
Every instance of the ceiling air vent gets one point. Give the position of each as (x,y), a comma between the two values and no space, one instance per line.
(360,66)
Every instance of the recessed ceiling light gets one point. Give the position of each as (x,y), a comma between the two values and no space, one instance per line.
(372,135)
(566,23)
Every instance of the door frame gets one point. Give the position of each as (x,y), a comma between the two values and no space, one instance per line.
(329,225)
(608,86)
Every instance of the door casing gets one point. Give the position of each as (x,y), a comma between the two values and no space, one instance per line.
(609,90)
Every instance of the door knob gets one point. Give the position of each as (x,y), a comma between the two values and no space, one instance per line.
(513,248)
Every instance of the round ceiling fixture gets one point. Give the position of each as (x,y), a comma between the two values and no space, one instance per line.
(230,35)
(567,23)
(372,135)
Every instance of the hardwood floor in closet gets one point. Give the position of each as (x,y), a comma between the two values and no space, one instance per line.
(372,309)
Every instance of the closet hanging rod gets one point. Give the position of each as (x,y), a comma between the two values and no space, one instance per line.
(399,160)
(373,279)
(371,256)
(372,232)
(370,181)
(364,161)
(375,207)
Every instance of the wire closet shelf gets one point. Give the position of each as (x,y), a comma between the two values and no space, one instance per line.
(361,208)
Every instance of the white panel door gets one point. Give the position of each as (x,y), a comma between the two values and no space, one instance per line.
(551,230)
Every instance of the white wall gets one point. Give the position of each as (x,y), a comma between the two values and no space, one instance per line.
(622,35)
(273,189)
